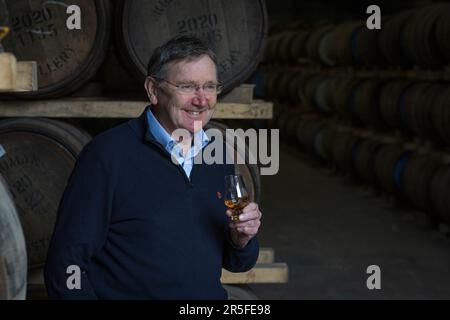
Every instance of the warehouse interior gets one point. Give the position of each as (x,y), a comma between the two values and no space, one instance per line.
(360,206)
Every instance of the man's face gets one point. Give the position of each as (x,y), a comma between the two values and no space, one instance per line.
(177,110)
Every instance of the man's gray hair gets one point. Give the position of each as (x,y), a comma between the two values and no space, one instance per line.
(177,48)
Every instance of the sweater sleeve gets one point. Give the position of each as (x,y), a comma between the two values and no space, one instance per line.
(240,259)
(81,228)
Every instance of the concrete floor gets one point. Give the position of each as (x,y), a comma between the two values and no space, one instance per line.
(329,231)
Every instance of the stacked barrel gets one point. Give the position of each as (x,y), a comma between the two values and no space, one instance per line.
(36,159)
(68,58)
(373,103)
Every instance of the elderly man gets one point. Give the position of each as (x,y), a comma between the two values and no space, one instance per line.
(136,223)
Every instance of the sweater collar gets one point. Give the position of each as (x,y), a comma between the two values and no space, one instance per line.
(141,126)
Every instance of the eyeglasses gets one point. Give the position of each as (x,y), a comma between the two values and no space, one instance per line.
(190,88)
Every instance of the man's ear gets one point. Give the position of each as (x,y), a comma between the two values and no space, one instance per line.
(150,88)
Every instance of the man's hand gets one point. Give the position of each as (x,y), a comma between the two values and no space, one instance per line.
(247,226)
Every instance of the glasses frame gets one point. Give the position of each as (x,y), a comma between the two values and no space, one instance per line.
(219,87)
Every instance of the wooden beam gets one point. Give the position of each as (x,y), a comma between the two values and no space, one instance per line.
(261,273)
(266,255)
(257,110)
(107,108)
(8,70)
(241,94)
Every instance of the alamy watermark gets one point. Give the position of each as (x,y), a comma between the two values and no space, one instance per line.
(74,279)
(374,280)
(238,146)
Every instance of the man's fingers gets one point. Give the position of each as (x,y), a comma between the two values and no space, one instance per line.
(251,223)
(250,231)
(250,207)
(250,215)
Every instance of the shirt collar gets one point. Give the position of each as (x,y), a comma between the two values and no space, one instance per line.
(156,129)
(164,138)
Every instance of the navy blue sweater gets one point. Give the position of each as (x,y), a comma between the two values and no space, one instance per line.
(138,227)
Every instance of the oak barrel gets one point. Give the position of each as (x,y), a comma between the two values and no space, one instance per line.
(365,160)
(291,127)
(419,37)
(66,59)
(13,256)
(416,179)
(343,150)
(411,103)
(249,171)
(421,114)
(365,103)
(235,29)
(440,115)
(390,96)
(342,95)
(391,40)
(365,49)
(389,164)
(442,31)
(315,135)
(318,45)
(39,157)
(439,191)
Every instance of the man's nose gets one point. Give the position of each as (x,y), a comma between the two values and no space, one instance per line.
(200,98)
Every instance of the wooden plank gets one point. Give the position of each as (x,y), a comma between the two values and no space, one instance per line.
(266,255)
(107,108)
(240,94)
(8,69)
(261,273)
(26,78)
(17,76)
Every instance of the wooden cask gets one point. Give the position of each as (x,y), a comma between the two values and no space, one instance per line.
(416,179)
(419,37)
(235,29)
(391,39)
(390,96)
(39,157)
(343,150)
(365,160)
(66,58)
(439,192)
(440,115)
(13,256)
(249,171)
(365,103)
(389,163)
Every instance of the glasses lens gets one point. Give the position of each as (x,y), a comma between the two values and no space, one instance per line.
(210,88)
(186,88)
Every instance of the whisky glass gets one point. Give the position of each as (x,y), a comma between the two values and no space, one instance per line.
(236,196)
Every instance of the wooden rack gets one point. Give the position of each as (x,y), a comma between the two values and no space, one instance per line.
(238,104)
(107,108)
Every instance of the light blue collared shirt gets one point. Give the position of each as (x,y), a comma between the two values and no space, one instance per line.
(173,147)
